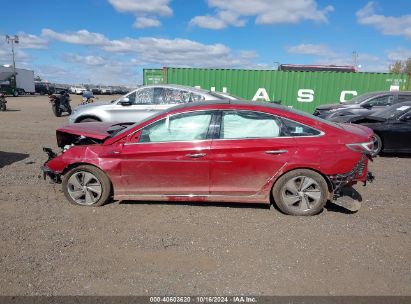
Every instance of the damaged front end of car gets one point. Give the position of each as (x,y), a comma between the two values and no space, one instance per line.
(344,195)
(66,139)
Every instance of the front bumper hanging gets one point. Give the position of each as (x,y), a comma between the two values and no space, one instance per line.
(46,171)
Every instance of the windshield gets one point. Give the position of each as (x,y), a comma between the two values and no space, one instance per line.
(359,99)
(393,111)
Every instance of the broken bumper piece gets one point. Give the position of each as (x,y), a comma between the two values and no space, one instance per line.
(47,172)
(344,194)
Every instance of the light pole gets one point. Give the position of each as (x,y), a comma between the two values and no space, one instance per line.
(13,40)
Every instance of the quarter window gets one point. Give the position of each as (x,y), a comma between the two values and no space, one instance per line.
(182,127)
(293,128)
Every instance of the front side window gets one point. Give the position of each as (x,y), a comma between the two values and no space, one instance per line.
(182,127)
(143,96)
(248,124)
(381,101)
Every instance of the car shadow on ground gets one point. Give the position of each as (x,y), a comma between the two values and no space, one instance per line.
(197,204)
(12,110)
(395,155)
(8,158)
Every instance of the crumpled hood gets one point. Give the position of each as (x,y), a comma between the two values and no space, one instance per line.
(97,130)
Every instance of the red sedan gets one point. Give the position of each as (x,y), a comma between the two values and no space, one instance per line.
(226,151)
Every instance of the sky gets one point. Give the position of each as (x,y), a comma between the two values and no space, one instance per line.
(112,41)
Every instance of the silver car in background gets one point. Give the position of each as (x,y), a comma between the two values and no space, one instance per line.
(142,102)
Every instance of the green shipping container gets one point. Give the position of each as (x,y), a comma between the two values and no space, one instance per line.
(301,90)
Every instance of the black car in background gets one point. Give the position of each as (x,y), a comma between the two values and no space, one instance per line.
(365,104)
(391,126)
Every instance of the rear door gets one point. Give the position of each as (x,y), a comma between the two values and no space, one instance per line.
(248,152)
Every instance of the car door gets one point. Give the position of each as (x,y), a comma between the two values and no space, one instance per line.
(248,152)
(396,134)
(168,157)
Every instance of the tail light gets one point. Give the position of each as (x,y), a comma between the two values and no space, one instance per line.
(365,147)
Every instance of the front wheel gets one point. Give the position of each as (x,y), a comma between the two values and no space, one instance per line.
(56,110)
(301,192)
(86,185)
(3,106)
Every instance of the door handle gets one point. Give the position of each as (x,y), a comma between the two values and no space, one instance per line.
(275,152)
(196,155)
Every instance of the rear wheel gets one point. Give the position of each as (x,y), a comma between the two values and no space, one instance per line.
(15,93)
(86,185)
(377,144)
(301,192)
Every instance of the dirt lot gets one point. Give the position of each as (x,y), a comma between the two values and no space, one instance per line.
(50,247)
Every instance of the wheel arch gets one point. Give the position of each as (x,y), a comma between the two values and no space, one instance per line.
(326,178)
(79,119)
(75,165)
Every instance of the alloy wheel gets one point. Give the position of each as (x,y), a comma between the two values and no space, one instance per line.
(301,193)
(84,188)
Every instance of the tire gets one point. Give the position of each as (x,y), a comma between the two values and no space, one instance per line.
(69,110)
(292,199)
(377,144)
(89,120)
(15,93)
(3,107)
(56,111)
(87,185)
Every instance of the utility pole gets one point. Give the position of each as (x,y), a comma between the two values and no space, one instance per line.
(355,58)
(13,40)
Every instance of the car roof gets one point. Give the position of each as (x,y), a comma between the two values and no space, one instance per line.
(197,104)
(177,86)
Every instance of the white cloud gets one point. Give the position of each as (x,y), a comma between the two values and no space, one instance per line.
(144,10)
(142,22)
(311,49)
(82,37)
(399,54)
(396,26)
(233,12)
(160,51)
(87,60)
(28,41)
(323,54)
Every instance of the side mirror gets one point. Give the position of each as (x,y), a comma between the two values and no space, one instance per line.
(124,101)
(366,106)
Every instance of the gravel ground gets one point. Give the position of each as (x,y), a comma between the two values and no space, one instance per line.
(49,247)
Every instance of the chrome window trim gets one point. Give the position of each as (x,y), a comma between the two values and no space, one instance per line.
(322,133)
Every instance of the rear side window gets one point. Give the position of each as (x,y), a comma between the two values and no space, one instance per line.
(248,124)
(402,98)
